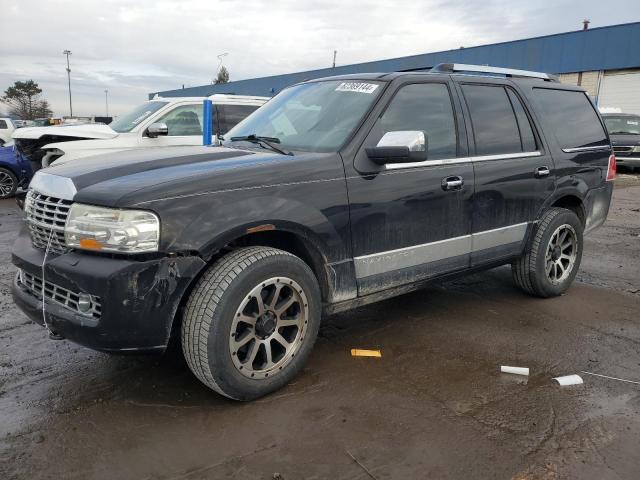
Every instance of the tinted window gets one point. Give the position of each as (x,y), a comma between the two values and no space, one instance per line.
(425,107)
(524,125)
(494,122)
(184,121)
(231,115)
(572,118)
(3,124)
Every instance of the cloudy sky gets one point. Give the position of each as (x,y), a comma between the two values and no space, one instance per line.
(132,48)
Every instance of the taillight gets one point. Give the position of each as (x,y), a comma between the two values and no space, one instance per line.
(611,169)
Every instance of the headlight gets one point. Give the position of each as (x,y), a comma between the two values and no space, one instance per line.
(636,149)
(112,230)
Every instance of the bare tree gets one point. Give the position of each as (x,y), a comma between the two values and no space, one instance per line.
(24,101)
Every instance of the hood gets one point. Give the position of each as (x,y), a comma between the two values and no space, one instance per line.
(131,177)
(624,140)
(89,131)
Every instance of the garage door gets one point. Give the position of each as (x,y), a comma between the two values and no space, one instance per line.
(621,90)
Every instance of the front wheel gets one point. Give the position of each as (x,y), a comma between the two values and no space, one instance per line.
(553,255)
(251,322)
(8,183)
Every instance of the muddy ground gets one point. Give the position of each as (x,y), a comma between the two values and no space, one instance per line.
(434,406)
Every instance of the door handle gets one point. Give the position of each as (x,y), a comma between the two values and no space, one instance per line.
(452,183)
(542,172)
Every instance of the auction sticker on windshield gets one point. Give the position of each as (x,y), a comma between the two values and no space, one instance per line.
(356,87)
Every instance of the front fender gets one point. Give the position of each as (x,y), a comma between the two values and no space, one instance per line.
(221,223)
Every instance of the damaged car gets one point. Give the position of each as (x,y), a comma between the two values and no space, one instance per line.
(339,192)
(160,122)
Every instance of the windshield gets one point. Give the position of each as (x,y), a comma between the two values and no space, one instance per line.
(623,125)
(312,117)
(129,121)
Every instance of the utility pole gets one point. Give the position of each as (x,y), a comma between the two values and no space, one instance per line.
(67,53)
(106,100)
(335,52)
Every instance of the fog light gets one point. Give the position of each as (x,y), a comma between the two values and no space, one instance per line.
(84,302)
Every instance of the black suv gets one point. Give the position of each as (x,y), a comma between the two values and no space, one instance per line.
(338,192)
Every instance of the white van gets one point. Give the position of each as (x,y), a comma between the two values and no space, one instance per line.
(160,122)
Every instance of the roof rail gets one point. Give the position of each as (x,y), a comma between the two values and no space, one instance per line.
(507,72)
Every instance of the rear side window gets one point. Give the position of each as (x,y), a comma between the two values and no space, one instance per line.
(229,116)
(424,107)
(572,118)
(494,122)
(3,124)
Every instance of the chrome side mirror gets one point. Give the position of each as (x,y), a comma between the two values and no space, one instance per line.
(157,129)
(399,147)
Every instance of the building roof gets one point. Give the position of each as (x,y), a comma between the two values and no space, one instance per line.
(604,48)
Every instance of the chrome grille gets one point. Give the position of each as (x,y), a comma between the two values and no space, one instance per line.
(59,295)
(46,217)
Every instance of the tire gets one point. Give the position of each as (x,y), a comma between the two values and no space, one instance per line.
(8,183)
(534,272)
(229,355)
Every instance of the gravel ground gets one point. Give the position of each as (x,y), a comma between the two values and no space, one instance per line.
(434,406)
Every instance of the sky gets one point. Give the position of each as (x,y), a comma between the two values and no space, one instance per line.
(133,48)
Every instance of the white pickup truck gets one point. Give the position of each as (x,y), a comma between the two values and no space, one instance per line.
(7,128)
(160,122)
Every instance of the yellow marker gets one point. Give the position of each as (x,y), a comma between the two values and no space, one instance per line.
(356,352)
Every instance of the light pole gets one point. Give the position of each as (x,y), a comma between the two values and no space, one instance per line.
(67,53)
(106,100)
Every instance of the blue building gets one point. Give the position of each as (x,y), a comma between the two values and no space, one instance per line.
(605,61)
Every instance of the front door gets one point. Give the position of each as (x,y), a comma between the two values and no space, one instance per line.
(412,221)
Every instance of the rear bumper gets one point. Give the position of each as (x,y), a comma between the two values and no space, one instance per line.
(597,204)
(139,299)
(628,161)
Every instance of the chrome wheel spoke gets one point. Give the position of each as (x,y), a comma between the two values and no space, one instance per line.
(275,297)
(281,340)
(284,306)
(238,344)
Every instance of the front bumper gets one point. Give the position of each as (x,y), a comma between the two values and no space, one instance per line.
(139,299)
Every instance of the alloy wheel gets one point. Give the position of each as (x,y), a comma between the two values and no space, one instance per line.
(6,184)
(561,254)
(268,327)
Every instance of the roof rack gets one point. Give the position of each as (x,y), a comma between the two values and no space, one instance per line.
(507,72)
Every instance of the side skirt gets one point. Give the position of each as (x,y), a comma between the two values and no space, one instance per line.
(330,309)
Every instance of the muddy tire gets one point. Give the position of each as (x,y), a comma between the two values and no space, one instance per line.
(251,322)
(8,183)
(552,258)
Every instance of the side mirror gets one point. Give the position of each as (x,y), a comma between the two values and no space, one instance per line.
(157,129)
(399,147)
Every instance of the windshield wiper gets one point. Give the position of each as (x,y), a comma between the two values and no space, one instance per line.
(259,140)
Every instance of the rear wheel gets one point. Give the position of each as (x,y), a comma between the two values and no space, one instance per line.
(553,255)
(251,322)
(8,183)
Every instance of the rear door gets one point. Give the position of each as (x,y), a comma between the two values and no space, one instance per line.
(514,173)
(407,224)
